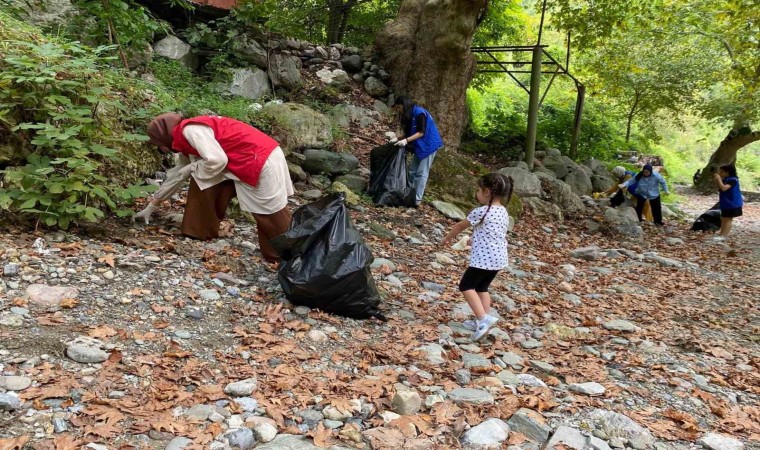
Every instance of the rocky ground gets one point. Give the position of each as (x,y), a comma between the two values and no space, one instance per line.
(126,337)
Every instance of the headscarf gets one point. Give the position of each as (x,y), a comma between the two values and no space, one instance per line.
(160,130)
(646,167)
(619,171)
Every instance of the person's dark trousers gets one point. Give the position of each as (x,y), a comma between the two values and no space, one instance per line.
(640,203)
(656,206)
(617,199)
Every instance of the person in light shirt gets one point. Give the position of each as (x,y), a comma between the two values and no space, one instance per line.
(223,158)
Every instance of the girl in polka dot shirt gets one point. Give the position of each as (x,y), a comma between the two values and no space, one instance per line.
(489,248)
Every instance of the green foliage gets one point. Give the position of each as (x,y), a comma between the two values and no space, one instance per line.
(53,93)
(108,22)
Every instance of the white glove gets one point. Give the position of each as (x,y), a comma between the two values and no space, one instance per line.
(144,214)
(401,143)
(622,186)
(392,140)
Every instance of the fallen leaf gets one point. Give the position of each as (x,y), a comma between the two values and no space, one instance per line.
(69,303)
(13,443)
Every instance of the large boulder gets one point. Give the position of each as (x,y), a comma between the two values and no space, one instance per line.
(250,83)
(330,163)
(544,173)
(344,115)
(336,78)
(579,182)
(597,167)
(624,220)
(600,183)
(353,181)
(526,184)
(542,208)
(173,48)
(298,126)
(562,195)
(45,13)
(556,165)
(249,50)
(284,71)
(352,63)
(375,87)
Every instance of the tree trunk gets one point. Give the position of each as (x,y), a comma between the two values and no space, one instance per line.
(630,117)
(427,51)
(725,154)
(335,17)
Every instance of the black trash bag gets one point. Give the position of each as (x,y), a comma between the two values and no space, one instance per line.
(325,262)
(388,182)
(709,220)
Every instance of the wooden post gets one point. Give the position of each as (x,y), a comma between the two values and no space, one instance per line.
(577,122)
(535,94)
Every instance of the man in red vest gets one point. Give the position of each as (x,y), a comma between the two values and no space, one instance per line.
(223,158)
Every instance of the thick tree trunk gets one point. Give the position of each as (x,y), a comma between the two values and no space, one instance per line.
(725,154)
(631,113)
(427,51)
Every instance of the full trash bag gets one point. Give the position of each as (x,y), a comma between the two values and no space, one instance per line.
(709,220)
(388,183)
(325,263)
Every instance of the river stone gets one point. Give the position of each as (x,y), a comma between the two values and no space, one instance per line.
(487,435)
(476,362)
(15,383)
(242,388)
(526,184)
(574,439)
(434,354)
(715,441)
(375,87)
(587,253)
(44,295)
(531,424)
(449,210)
(619,325)
(352,63)
(617,425)
(9,402)
(265,432)
(284,72)
(590,388)
(250,83)
(84,353)
(178,443)
(407,403)
(471,396)
(241,438)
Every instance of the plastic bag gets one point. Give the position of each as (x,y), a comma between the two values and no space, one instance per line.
(709,220)
(325,262)
(388,183)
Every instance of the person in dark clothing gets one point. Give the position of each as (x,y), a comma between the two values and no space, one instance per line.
(420,136)
(731,200)
(697,174)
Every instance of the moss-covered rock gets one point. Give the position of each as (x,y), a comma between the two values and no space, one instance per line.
(297,126)
(351,198)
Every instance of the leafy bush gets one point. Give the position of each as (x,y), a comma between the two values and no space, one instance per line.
(55,95)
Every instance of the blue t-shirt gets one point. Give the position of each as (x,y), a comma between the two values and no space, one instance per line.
(731,198)
(431,140)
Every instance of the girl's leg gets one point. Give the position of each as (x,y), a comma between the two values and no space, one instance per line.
(485,300)
(473,299)
(725,225)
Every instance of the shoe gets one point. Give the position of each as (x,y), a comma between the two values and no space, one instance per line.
(718,238)
(470,324)
(483,327)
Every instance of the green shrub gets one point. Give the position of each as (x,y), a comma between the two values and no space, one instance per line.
(55,96)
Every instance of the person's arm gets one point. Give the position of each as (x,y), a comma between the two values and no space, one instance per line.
(421,127)
(174,179)
(214,161)
(663,184)
(458,228)
(721,185)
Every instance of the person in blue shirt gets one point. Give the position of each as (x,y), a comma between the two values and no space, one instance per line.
(730,197)
(420,136)
(648,184)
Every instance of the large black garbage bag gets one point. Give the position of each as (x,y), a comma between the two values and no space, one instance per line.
(325,262)
(388,183)
(709,220)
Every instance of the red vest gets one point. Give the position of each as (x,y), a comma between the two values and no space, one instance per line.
(246,147)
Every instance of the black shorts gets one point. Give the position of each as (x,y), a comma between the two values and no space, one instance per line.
(478,279)
(733,212)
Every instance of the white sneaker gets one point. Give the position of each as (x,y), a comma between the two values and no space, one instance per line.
(471,324)
(718,238)
(483,327)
